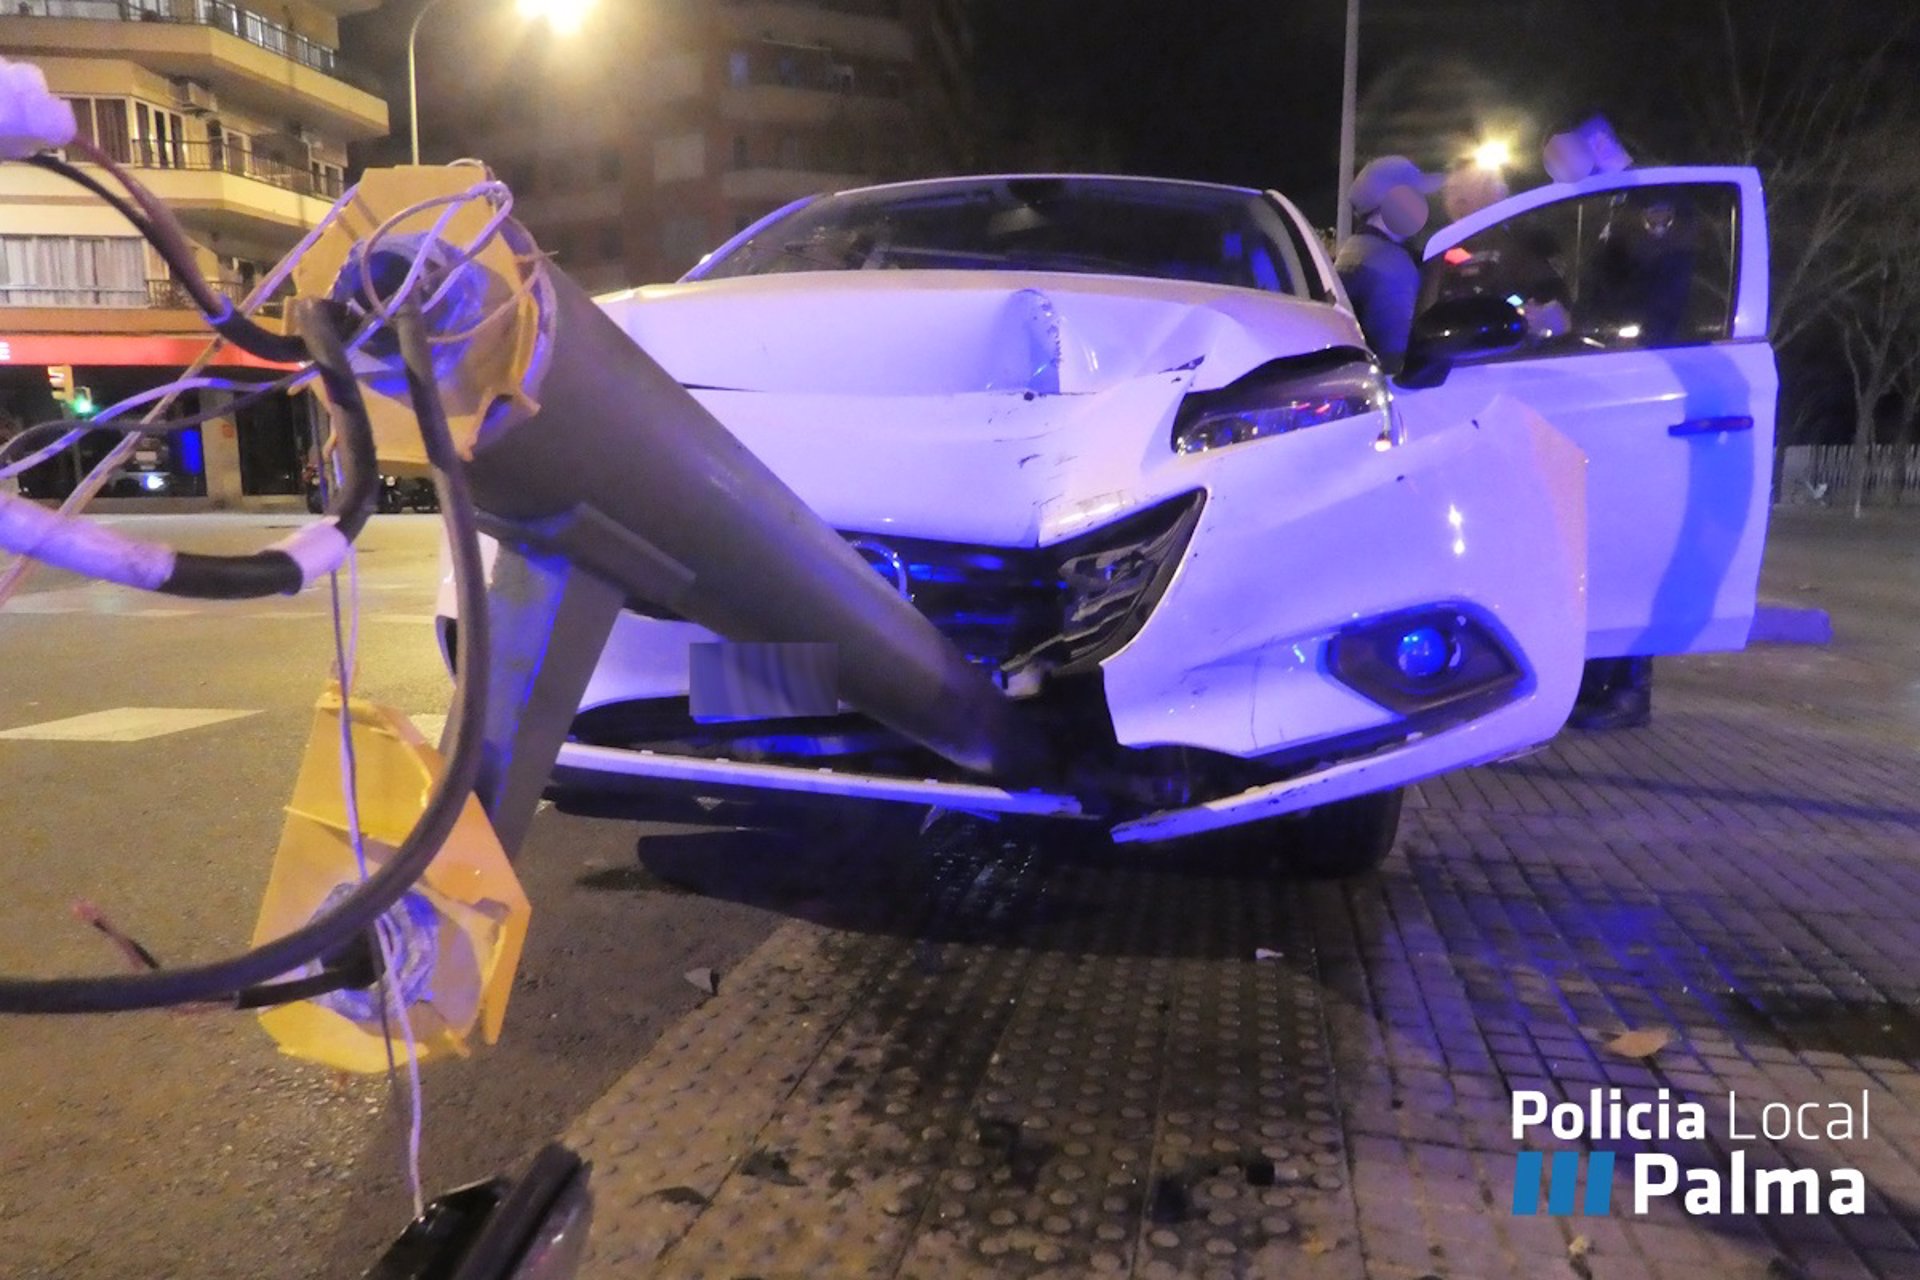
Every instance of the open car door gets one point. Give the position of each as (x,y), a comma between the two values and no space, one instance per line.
(1644,297)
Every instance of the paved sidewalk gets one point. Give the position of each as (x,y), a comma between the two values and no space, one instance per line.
(1048,1061)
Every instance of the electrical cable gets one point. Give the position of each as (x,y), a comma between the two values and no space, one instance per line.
(219,980)
(66,432)
(284,569)
(346,650)
(163,230)
(292,565)
(54,164)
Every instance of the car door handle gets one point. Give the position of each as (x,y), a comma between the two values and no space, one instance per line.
(1709,426)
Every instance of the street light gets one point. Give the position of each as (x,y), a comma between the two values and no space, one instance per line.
(1495,154)
(1349,93)
(564,16)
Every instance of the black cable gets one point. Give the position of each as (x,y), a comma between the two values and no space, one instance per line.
(359,491)
(163,231)
(54,164)
(274,572)
(44,433)
(220,980)
(285,570)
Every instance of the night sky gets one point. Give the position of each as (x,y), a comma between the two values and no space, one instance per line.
(1248,91)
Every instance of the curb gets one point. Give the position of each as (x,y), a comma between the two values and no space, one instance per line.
(1790,624)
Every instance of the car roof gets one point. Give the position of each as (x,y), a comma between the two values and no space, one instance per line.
(965,180)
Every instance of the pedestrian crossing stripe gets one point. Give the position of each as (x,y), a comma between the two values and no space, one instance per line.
(123,724)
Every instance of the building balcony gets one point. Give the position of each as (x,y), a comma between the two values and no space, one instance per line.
(802,107)
(263,205)
(158,295)
(207,157)
(849,26)
(778,186)
(235,51)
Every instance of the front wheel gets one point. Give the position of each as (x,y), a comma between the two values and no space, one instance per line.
(1336,841)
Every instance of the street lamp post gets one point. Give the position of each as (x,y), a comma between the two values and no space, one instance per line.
(413,75)
(563,16)
(1349,95)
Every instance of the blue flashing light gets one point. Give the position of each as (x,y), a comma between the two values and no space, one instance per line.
(1423,652)
(188,451)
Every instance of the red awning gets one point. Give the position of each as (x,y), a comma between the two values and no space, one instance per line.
(91,350)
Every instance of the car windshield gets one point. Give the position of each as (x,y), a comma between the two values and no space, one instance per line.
(1098,226)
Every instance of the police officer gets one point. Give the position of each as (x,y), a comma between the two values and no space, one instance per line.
(1378,268)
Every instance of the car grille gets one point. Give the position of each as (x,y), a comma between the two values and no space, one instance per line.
(992,603)
(1069,604)
(1062,607)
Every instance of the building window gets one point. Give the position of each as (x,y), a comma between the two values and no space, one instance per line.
(518,175)
(73,271)
(103,122)
(742,158)
(680,158)
(609,164)
(739,67)
(612,245)
(159,138)
(790,157)
(682,240)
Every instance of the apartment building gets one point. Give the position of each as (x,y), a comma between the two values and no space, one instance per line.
(658,130)
(238,117)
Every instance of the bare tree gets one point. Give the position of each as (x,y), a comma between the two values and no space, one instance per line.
(1805,103)
(1879,320)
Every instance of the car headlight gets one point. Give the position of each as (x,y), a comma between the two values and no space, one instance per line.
(1278,397)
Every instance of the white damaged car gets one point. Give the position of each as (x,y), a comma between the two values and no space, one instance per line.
(1122,441)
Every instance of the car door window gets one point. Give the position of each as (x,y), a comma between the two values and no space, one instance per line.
(1643,267)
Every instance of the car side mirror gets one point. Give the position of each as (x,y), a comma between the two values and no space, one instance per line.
(1478,325)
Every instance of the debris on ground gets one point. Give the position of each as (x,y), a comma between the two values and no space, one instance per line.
(1643,1043)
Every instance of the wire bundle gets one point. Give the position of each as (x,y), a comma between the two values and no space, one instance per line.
(326,335)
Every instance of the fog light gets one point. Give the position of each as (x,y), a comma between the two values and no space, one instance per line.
(1424,659)
(1424,653)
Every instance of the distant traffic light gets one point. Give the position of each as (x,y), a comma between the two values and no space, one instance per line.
(60,378)
(81,402)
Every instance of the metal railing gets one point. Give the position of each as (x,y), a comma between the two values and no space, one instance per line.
(169,295)
(224,157)
(159,295)
(233,19)
(1825,474)
(33,295)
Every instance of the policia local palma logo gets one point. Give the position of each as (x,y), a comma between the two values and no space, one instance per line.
(1575,1184)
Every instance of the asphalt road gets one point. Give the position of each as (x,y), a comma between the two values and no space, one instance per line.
(185,1145)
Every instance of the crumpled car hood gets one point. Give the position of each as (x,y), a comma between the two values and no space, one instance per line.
(947,332)
(995,468)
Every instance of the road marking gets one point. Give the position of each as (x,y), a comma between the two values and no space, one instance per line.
(82,601)
(123,724)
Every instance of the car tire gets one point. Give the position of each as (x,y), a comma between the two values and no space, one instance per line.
(1338,841)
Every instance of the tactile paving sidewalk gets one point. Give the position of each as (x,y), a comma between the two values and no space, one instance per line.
(1061,1066)
(1058,1063)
